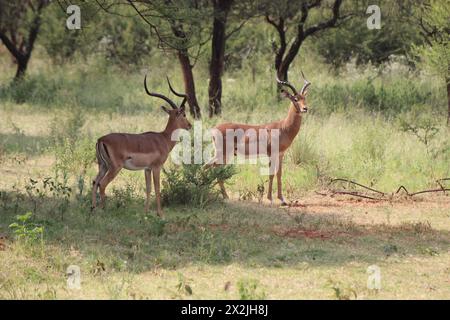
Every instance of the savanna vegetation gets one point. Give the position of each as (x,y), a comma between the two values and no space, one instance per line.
(378,114)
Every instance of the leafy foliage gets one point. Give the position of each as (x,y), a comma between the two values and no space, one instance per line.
(353,40)
(434,55)
(26,230)
(192,184)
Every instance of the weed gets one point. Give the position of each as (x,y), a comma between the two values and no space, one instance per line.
(341,291)
(183,286)
(39,191)
(249,290)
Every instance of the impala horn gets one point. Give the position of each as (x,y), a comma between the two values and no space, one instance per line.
(285,83)
(181,95)
(306,85)
(157,95)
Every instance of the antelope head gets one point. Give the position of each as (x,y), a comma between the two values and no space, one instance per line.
(177,115)
(298,98)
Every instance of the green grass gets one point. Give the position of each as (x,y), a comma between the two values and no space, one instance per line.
(124,254)
(238,248)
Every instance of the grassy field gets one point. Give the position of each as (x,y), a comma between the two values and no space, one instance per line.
(384,132)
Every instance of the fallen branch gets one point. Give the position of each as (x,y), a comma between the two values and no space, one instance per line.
(357,194)
(384,196)
(355,183)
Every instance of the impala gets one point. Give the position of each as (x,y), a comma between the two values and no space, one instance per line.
(145,151)
(286,131)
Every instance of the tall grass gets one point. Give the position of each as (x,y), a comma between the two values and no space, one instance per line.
(371,150)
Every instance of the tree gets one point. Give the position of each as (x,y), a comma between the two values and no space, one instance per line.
(224,12)
(221,10)
(298,13)
(59,42)
(353,41)
(179,28)
(20,22)
(433,17)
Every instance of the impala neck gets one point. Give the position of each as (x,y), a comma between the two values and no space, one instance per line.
(167,133)
(293,120)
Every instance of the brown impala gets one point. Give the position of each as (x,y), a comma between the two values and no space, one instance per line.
(287,130)
(146,151)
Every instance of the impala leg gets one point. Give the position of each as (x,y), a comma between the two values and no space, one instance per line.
(222,189)
(101,173)
(109,176)
(269,190)
(148,185)
(156,176)
(279,182)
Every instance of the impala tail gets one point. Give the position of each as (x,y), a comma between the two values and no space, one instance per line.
(102,154)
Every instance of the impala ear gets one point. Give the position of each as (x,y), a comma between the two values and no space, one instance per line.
(165,109)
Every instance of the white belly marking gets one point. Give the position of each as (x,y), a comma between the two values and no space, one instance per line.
(140,161)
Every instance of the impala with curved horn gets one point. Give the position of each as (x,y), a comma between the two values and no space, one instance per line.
(145,151)
(287,130)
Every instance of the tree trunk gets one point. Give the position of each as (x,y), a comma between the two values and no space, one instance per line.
(282,72)
(22,51)
(189,85)
(22,64)
(283,68)
(221,10)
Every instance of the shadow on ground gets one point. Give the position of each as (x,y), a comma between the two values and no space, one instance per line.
(21,143)
(231,232)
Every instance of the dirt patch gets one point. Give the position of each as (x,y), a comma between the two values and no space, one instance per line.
(343,201)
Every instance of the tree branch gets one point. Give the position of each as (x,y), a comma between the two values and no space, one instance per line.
(237,29)
(326,24)
(10,46)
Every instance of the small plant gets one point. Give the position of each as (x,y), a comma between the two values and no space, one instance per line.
(26,231)
(424,127)
(183,285)
(260,191)
(340,291)
(123,197)
(248,290)
(246,194)
(156,225)
(390,249)
(49,186)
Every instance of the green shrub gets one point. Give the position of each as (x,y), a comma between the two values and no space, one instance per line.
(192,184)
(26,231)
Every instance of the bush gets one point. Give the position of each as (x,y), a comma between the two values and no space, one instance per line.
(192,184)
